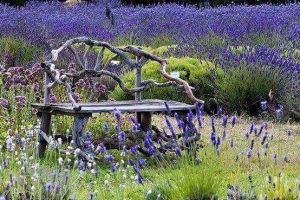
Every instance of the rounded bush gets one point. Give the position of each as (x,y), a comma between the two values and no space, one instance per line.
(197,73)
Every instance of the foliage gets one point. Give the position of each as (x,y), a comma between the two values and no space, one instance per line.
(17,52)
(241,88)
(199,74)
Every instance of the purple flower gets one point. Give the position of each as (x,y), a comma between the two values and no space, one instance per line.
(224,135)
(264,105)
(249,153)
(100,148)
(109,158)
(98,87)
(133,150)
(286,159)
(219,112)
(141,163)
(251,128)
(140,179)
(167,107)
(52,98)
(20,101)
(117,115)
(252,144)
(131,162)
(233,122)
(224,121)
(76,97)
(190,116)
(177,151)
(170,127)
(247,135)
(3,103)
(48,187)
(91,196)
(213,125)
(199,117)
(264,139)
(121,136)
(279,112)
(80,83)
(106,127)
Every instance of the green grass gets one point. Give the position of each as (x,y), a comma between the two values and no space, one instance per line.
(182,178)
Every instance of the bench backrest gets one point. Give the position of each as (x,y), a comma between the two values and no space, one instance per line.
(53,76)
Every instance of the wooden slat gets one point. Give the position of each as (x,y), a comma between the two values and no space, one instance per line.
(123,106)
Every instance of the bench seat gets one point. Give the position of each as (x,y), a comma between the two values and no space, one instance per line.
(131,106)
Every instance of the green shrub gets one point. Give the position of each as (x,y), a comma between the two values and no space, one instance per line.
(241,88)
(17,52)
(198,73)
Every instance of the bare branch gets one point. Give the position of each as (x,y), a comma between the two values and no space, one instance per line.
(99,59)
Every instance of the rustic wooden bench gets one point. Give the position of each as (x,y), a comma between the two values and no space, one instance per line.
(82,111)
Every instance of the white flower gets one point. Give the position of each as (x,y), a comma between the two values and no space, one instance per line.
(89,165)
(32,188)
(59,140)
(77,152)
(60,160)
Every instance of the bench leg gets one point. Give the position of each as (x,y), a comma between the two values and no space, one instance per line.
(45,127)
(146,121)
(78,130)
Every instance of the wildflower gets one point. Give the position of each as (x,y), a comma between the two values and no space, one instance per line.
(286,159)
(140,179)
(251,128)
(121,136)
(106,127)
(167,107)
(264,139)
(177,151)
(141,163)
(133,150)
(213,125)
(117,115)
(91,197)
(231,143)
(131,162)
(224,121)
(76,97)
(109,157)
(199,117)
(263,105)
(249,153)
(219,112)
(3,103)
(247,135)
(48,187)
(224,135)
(279,112)
(60,160)
(233,122)
(170,127)
(100,88)
(77,152)
(289,132)
(190,116)
(252,144)
(100,148)
(52,98)
(20,100)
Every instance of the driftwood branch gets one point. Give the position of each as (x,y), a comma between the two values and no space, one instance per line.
(141,55)
(99,59)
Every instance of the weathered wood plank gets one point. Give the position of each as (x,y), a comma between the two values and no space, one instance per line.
(45,129)
(130,106)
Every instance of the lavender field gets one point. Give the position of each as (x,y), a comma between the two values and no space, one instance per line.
(243,61)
